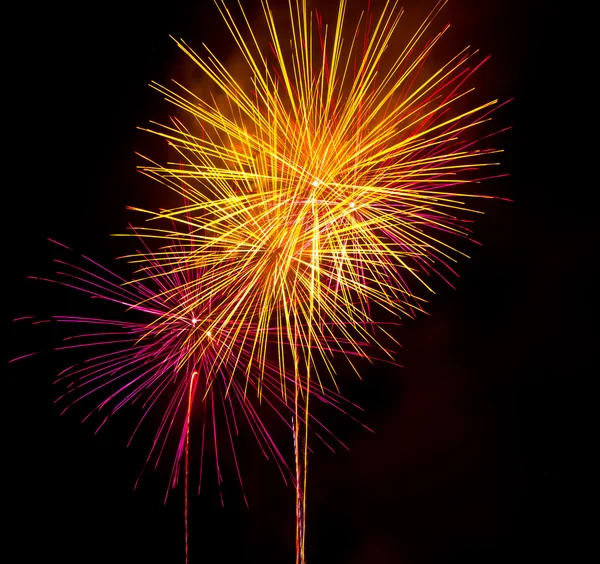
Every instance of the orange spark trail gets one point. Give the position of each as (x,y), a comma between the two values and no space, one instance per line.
(187,464)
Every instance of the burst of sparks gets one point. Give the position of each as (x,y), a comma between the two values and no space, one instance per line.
(132,361)
(320,189)
(321,184)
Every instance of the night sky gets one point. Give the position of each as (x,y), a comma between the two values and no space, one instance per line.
(473,437)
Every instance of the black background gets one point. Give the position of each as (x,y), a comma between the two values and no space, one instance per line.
(473,437)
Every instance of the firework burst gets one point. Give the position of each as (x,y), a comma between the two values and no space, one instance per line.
(327,188)
(319,190)
(157,355)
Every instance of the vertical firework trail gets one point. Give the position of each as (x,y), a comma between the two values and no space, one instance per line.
(187,465)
